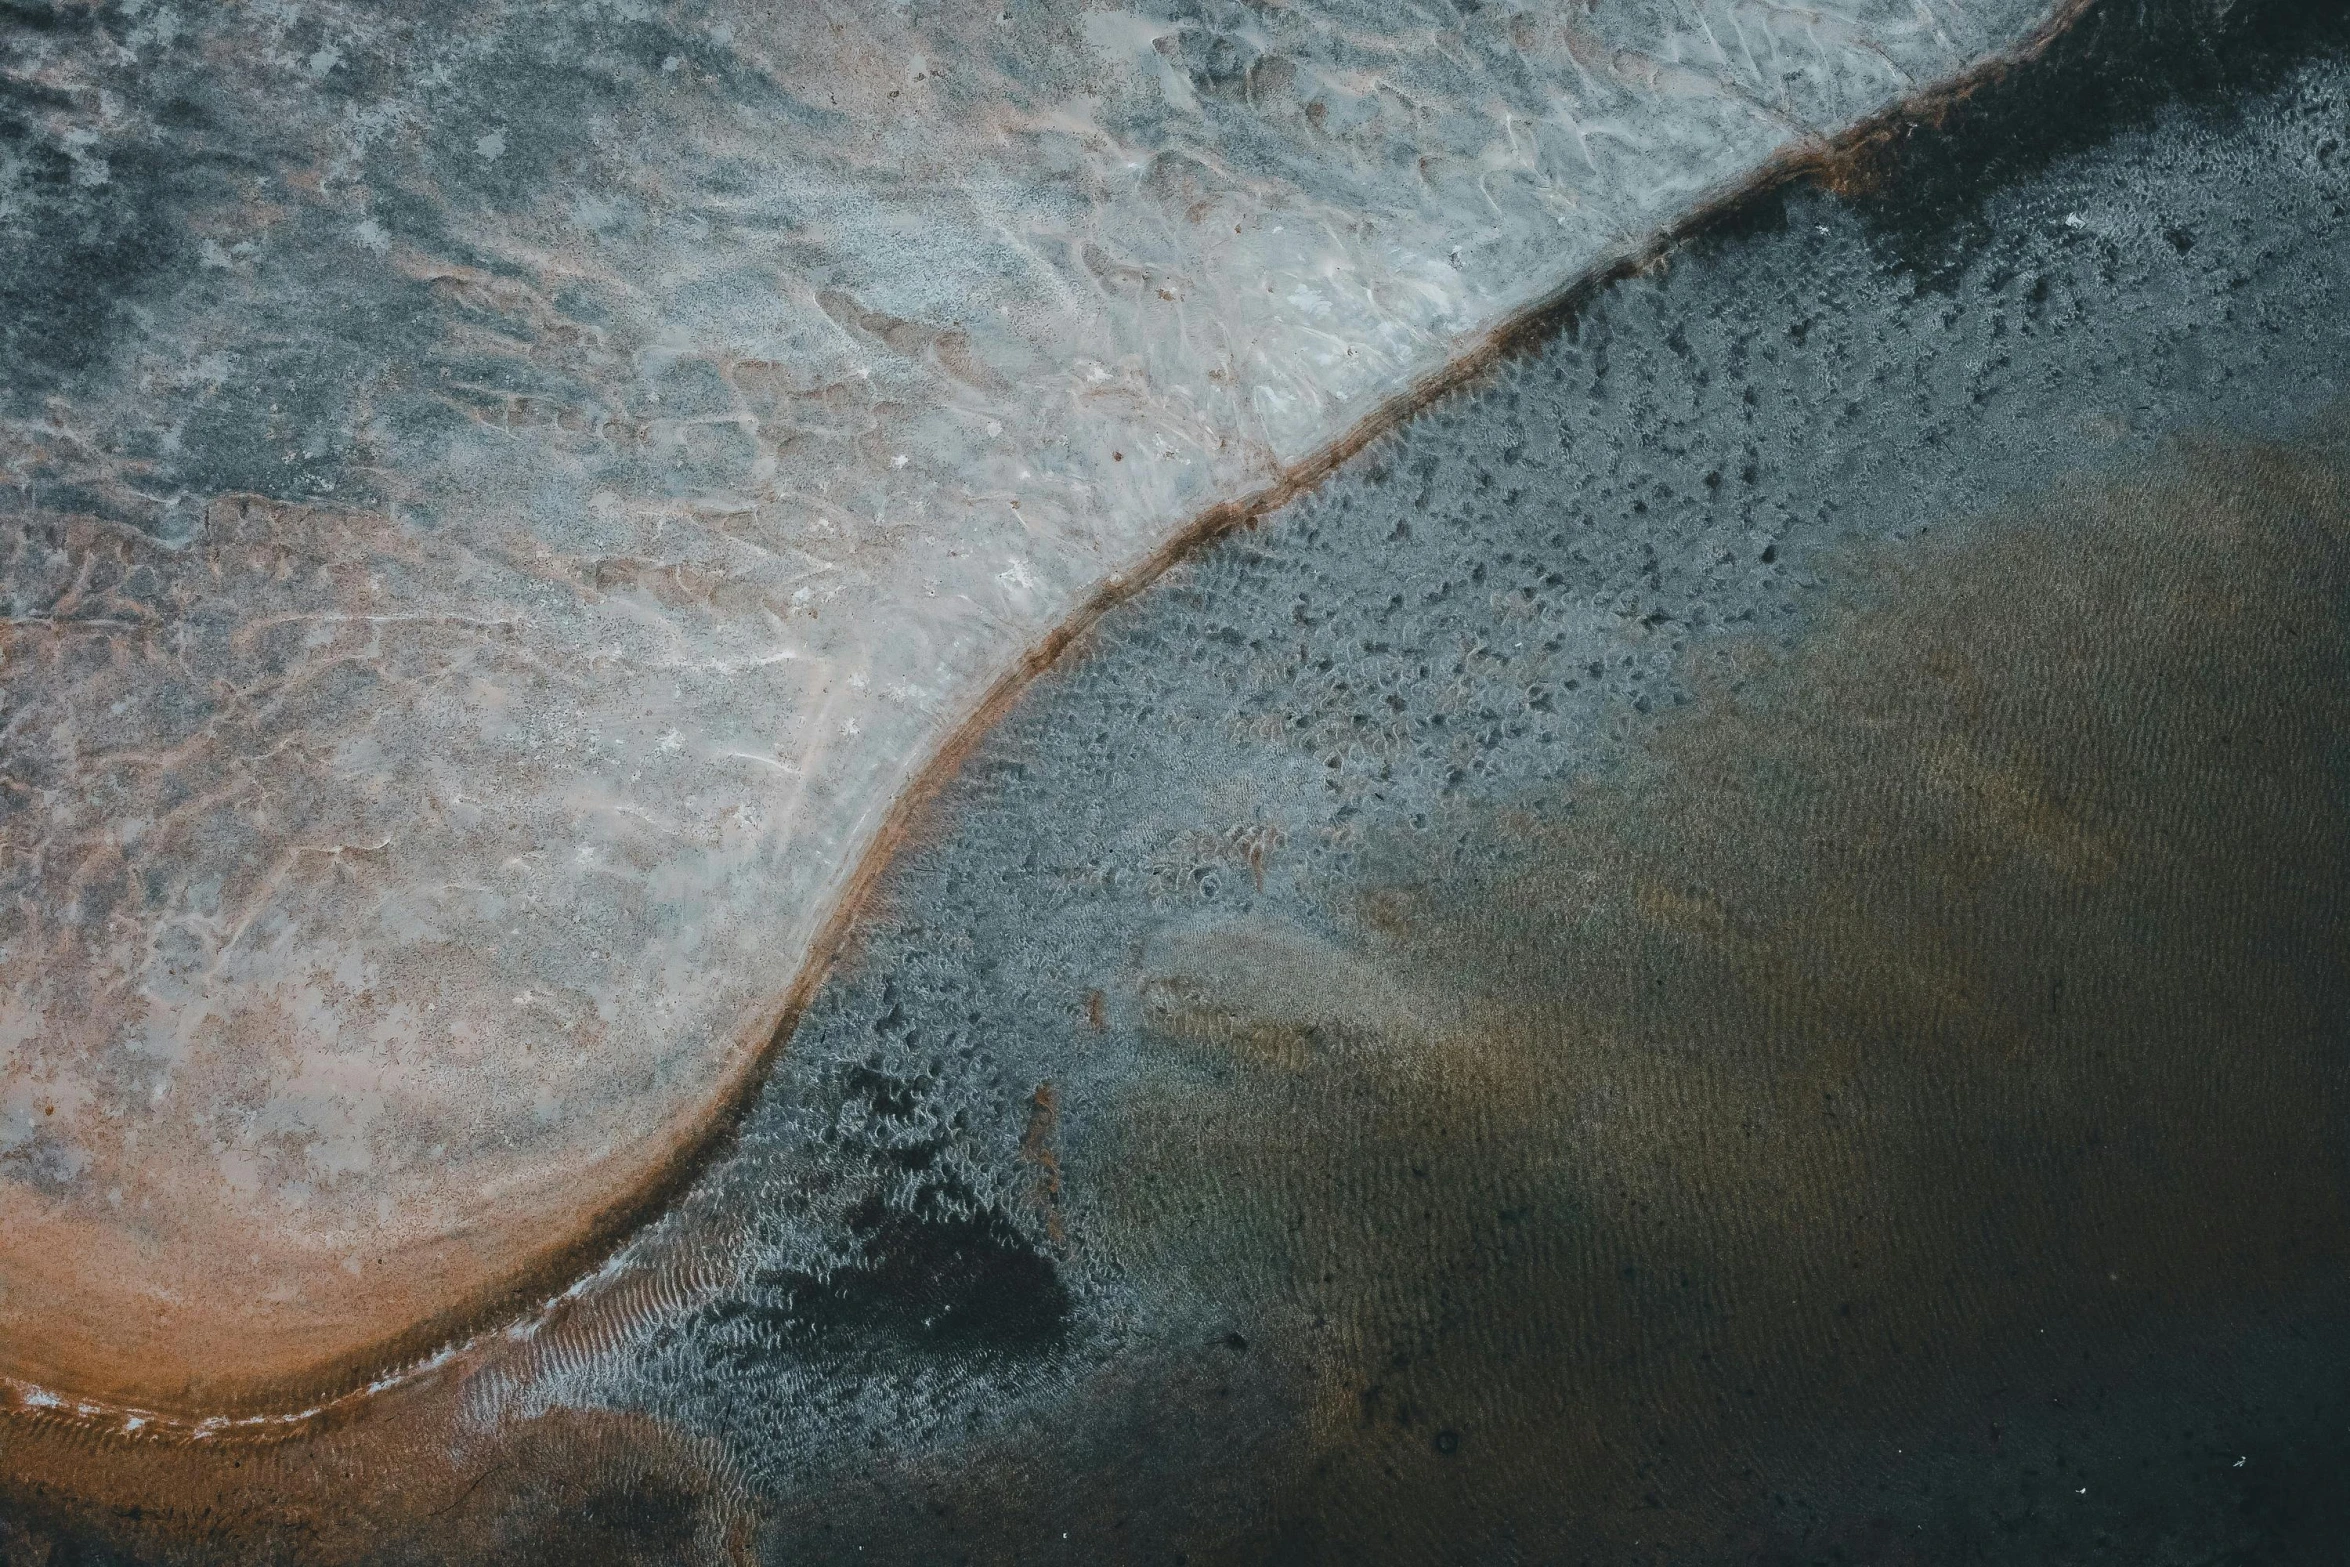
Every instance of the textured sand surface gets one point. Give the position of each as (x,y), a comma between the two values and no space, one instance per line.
(499,498)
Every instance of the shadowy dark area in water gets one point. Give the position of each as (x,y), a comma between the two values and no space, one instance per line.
(939,1270)
(1728,949)
(2119,68)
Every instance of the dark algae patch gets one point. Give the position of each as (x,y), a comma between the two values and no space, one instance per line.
(1927,199)
(918,1265)
(926,1280)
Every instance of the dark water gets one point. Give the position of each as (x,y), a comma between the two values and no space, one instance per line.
(1730,948)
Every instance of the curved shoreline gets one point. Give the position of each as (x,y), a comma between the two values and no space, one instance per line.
(542,1291)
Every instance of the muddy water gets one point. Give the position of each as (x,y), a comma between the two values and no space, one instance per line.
(1948,1004)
